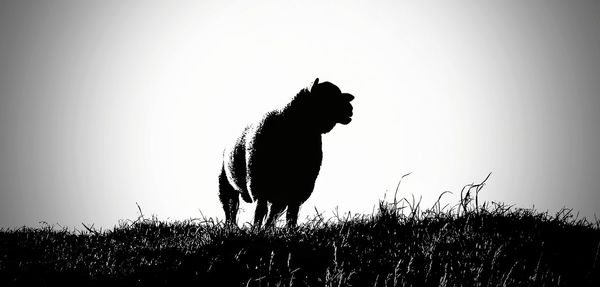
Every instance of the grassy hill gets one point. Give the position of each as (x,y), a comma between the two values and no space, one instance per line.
(399,245)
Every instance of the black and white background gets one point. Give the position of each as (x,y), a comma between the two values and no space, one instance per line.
(107,103)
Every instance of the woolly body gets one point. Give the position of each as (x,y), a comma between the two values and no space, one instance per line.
(278,159)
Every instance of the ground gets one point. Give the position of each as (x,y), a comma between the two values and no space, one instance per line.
(399,245)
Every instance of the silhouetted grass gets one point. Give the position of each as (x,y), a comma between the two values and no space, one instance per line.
(399,245)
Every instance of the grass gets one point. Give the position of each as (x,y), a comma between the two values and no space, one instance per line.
(399,245)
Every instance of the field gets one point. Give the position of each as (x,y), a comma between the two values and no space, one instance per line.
(469,244)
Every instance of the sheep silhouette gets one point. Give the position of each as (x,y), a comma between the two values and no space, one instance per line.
(276,160)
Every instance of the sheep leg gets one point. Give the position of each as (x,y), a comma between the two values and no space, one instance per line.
(229,198)
(292,214)
(260,213)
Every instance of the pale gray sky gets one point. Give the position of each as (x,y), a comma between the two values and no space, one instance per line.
(110,103)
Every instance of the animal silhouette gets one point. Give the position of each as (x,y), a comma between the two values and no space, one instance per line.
(276,160)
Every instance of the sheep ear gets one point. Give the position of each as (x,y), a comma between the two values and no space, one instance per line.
(314,85)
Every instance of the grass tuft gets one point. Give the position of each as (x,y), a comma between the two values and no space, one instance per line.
(400,244)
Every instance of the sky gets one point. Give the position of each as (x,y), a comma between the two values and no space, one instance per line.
(109,104)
